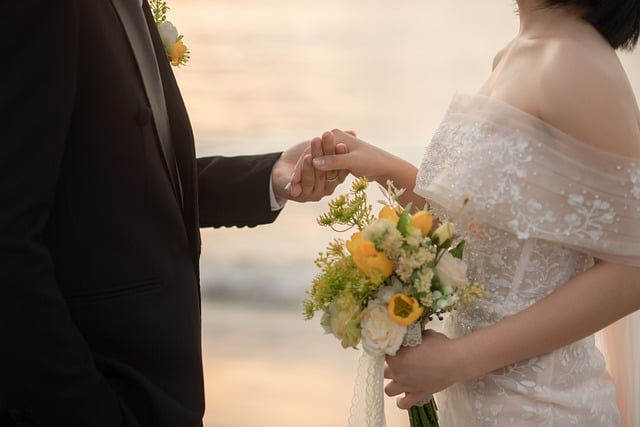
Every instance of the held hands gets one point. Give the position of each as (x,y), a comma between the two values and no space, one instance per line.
(310,171)
(295,178)
(359,158)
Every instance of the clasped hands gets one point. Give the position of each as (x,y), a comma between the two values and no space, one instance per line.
(311,170)
(295,178)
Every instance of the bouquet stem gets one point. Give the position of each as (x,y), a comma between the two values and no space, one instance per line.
(424,415)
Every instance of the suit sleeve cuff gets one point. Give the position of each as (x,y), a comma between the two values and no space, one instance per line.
(276,202)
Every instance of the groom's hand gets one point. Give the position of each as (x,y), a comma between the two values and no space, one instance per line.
(294,177)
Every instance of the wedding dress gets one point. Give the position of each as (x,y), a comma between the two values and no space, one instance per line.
(541,205)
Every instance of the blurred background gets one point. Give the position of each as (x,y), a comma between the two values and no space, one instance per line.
(265,74)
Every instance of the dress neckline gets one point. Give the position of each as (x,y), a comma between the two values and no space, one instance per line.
(462,98)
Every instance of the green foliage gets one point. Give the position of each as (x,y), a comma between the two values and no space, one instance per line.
(159,10)
(349,210)
(458,250)
(339,277)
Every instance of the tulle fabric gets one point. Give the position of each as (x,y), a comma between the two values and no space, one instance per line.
(546,199)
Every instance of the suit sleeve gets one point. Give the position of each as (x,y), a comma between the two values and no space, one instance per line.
(234,191)
(47,375)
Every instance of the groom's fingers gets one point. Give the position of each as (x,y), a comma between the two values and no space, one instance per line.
(294,187)
(329,148)
(320,176)
(308,177)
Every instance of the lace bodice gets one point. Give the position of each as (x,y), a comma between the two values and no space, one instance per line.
(540,206)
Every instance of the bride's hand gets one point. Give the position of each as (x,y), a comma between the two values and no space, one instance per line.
(297,179)
(421,371)
(360,159)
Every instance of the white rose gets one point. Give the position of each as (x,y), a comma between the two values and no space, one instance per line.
(168,33)
(380,334)
(452,271)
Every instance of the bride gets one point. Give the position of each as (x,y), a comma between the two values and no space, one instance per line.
(548,155)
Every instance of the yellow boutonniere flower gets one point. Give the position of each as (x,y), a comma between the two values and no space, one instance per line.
(177,51)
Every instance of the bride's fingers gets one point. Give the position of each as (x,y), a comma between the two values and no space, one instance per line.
(342,173)
(409,400)
(341,148)
(393,389)
(387,373)
(328,144)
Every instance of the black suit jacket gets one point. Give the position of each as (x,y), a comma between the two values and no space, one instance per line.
(99,245)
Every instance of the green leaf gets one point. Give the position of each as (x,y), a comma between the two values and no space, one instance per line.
(405,220)
(457,251)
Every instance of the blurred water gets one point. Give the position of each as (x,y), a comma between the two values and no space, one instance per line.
(265,74)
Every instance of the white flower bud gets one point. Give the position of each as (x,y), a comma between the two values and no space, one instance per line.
(168,33)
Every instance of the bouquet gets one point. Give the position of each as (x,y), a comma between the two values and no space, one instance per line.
(382,286)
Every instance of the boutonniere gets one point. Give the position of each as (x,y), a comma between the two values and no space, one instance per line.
(177,51)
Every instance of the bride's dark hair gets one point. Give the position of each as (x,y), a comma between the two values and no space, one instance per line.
(617,20)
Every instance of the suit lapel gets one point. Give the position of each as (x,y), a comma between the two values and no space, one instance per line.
(134,24)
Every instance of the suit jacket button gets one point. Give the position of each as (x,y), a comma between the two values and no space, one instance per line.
(143,116)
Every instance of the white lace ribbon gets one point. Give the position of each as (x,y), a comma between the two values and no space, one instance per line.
(367,406)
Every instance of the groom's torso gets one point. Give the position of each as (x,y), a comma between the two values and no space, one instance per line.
(124,242)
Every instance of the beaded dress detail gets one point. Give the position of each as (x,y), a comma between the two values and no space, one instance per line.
(541,206)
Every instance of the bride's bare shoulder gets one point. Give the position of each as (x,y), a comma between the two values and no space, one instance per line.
(585,92)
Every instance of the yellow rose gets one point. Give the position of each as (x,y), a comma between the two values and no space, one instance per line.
(389,213)
(369,260)
(444,232)
(423,221)
(404,309)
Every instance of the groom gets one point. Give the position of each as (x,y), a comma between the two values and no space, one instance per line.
(101,200)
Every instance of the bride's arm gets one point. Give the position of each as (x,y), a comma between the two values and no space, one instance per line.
(363,159)
(584,305)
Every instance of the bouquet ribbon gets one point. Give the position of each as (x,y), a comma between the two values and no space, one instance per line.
(367,406)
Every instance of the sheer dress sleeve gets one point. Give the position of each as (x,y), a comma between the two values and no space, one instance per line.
(524,176)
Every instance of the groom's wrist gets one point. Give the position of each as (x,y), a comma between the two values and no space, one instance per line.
(276,202)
